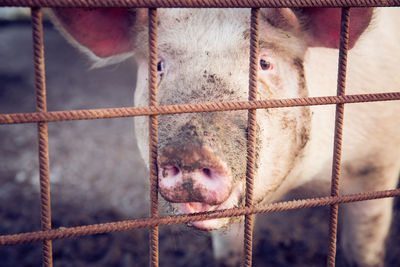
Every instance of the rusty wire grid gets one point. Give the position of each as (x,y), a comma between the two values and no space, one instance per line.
(251,136)
(68,232)
(337,146)
(199,3)
(153,134)
(43,139)
(107,113)
(42,117)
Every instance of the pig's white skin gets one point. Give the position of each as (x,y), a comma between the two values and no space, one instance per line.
(370,133)
(371,140)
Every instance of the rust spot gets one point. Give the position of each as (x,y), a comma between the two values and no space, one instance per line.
(298,64)
(266,86)
(304,137)
(213,78)
(246,34)
(367,170)
(188,185)
(198,195)
(376,219)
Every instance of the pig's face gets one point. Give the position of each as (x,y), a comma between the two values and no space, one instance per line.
(204,57)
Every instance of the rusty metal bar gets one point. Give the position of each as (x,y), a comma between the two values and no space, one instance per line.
(200,3)
(251,135)
(337,150)
(41,106)
(153,134)
(88,114)
(7,240)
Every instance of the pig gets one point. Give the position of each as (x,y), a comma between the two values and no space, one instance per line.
(203,56)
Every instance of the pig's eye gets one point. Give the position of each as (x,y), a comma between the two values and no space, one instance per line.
(160,66)
(265,64)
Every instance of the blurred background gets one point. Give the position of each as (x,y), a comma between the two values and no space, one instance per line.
(97,174)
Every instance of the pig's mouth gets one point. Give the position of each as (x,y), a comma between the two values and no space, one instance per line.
(196,207)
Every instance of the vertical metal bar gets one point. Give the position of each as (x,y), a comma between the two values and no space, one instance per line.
(251,137)
(337,149)
(153,134)
(41,106)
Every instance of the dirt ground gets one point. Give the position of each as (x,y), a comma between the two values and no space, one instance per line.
(98,176)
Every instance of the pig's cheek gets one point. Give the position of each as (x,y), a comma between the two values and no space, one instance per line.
(141,133)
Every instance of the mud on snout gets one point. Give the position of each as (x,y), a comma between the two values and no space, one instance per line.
(201,162)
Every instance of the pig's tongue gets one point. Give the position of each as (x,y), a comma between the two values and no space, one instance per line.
(193,207)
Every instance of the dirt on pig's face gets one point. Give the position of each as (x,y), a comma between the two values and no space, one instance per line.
(204,57)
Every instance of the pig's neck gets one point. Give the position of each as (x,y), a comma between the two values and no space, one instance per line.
(370,70)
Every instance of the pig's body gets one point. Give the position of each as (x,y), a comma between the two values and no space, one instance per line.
(203,57)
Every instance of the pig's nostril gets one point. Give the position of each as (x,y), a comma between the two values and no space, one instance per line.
(207,172)
(170,171)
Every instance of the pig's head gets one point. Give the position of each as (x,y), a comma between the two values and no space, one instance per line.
(204,57)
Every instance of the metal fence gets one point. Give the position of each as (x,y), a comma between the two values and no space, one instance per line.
(42,117)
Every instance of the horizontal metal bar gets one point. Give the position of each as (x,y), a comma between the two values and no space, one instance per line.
(200,3)
(93,229)
(88,114)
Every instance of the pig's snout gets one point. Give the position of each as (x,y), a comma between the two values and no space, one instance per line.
(192,173)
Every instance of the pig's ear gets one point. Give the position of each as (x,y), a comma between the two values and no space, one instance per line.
(322,25)
(103,33)
(281,18)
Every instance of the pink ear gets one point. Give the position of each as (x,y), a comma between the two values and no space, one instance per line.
(104,31)
(323,25)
